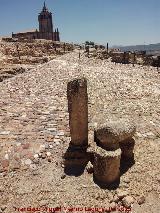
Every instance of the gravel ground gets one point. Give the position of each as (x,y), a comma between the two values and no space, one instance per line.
(34,134)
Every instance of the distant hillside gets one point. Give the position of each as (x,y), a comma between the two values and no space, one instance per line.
(151,48)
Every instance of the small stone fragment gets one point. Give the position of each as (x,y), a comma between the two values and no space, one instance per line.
(40,155)
(42,148)
(141,200)
(121,194)
(43,203)
(46,146)
(6,156)
(60,133)
(36,160)
(57,141)
(49,159)
(48,154)
(3,207)
(28,162)
(43,156)
(63,176)
(5,163)
(51,146)
(115,199)
(128,201)
(25,146)
(113,206)
(33,167)
(5,133)
(36,156)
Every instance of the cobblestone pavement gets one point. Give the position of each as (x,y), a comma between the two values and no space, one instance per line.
(34,133)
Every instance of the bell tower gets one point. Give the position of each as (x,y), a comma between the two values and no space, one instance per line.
(45,23)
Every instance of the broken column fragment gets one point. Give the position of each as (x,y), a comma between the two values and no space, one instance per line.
(110,134)
(107,165)
(112,139)
(78,111)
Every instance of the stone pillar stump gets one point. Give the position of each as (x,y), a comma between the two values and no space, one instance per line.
(78,111)
(107,165)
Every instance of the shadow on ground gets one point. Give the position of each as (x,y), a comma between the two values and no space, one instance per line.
(75,161)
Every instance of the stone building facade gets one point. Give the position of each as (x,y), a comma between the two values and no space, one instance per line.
(46,30)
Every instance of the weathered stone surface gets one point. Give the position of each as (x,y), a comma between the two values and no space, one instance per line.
(141,200)
(107,165)
(113,206)
(5,163)
(78,111)
(33,167)
(109,135)
(25,146)
(48,154)
(121,193)
(43,156)
(128,201)
(36,156)
(27,162)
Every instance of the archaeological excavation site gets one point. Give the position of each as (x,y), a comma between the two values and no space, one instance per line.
(79,124)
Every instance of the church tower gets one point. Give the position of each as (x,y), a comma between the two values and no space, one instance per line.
(45,28)
(45,24)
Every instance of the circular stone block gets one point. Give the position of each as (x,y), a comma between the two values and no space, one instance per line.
(109,135)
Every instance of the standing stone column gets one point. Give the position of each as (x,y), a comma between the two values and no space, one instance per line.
(107,49)
(78,111)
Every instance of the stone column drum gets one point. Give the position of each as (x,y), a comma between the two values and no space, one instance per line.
(107,165)
(114,134)
(78,111)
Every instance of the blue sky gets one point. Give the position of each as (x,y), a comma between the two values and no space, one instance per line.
(119,22)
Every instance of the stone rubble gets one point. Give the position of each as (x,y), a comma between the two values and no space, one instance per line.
(29,54)
(33,110)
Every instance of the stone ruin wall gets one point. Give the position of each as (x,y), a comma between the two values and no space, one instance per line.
(36,35)
(135,58)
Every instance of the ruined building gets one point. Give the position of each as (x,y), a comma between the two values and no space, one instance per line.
(46,30)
